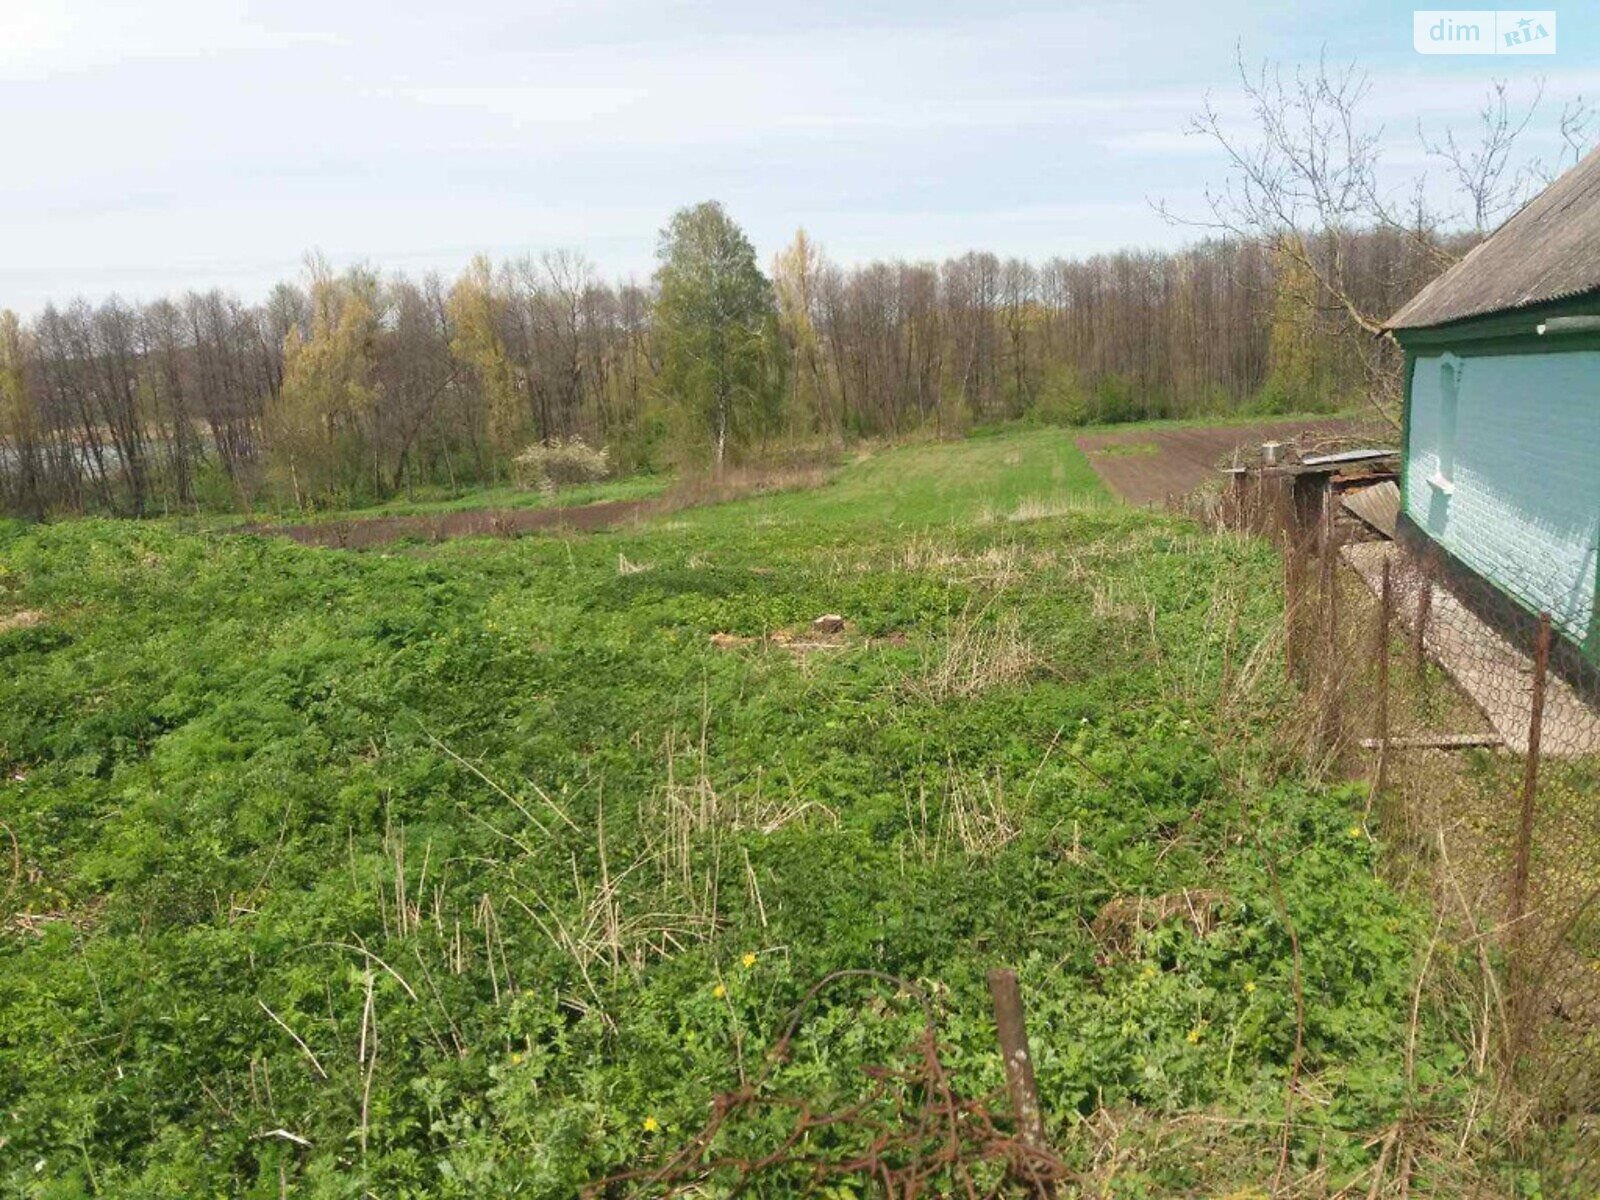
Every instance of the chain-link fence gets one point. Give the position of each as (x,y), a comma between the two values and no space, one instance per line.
(1475,718)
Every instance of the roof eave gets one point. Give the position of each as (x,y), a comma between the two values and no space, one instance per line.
(1508,320)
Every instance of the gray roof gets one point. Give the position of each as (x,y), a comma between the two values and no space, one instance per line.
(1345,456)
(1378,506)
(1550,250)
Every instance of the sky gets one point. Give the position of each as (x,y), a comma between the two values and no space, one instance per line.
(151,146)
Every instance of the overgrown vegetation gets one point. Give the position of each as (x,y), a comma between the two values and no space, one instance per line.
(563,462)
(477,869)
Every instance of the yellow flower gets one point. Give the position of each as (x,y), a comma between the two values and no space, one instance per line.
(749,960)
(1194,1035)
(719,991)
(1249,987)
(651,1125)
(1150,971)
(515,1059)
(1356,831)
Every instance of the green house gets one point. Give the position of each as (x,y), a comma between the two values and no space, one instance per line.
(1500,473)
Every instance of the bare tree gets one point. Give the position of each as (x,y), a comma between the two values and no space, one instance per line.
(1305,179)
(1485,170)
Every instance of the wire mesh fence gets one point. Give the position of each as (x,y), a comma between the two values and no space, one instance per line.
(1474,716)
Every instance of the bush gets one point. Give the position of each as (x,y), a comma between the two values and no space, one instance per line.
(561,463)
(1067,397)
(215,491)
(1061,399)
(1116,401)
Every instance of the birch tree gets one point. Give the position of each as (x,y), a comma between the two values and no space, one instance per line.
(716,324)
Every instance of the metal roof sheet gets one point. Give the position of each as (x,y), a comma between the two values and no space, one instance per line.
(1549,250)
(1378,506)
(1346,456)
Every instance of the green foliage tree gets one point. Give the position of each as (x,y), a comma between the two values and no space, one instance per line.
(19,423)
(320,426)
(722,364)
(474,306)
(1300,352)
(795,272)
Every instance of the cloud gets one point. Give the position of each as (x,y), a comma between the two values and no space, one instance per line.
(527,104)
(239,133)
(40,39)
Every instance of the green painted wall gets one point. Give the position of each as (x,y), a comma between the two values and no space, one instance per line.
(1520,505)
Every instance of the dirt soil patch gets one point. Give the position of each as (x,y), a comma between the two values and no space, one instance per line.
(362,532)
(1145,466)
(359,533)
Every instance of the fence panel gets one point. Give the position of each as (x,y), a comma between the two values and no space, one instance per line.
(1477,727)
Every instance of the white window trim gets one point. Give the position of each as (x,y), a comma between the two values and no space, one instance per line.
(1439,481)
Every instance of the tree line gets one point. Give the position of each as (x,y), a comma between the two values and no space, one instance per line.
(350,386)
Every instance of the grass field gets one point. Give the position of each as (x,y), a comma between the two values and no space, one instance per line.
(434,500)
(477,869)
(628,487)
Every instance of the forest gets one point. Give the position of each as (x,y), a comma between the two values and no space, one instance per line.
(353,387)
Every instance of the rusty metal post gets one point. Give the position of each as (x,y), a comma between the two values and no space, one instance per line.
(1020,1083)
(1385,617)
(1291,609)
(1517,908)
(1330,574)
(1283,513)
(1283,507)
(1419,645)
(1330,677)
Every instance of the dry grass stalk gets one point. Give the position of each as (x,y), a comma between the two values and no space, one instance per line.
(800,646)
(369,1022)
(977,816)
(1000,564)
(1039,508)
(1106,604)
(689,815)
(979,654)
(974,817)
(298,1040)
(667,896)
(1120,922)
(598,928)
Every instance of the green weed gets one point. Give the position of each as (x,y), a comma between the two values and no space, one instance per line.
(477,869)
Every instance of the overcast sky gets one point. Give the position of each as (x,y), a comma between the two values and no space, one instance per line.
(157,145)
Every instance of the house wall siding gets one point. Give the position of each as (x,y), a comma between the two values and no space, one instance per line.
(1523,506)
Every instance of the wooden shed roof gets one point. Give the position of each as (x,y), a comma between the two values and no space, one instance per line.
(1550,250)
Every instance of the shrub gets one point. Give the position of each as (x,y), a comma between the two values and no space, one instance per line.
(1062,399)
(561,463)
(1116,401)
(1067,397)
